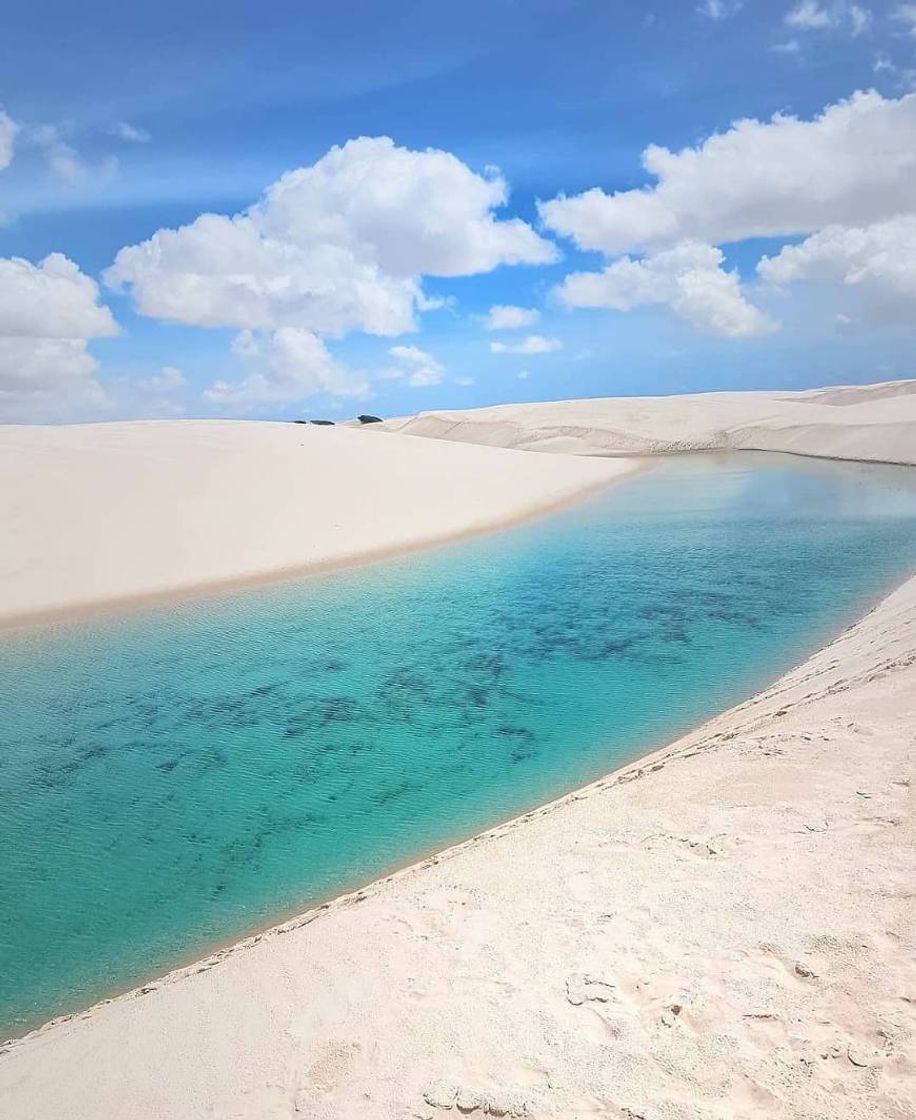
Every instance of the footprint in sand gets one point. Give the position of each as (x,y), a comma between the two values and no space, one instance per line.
(467,1100)
(581,988)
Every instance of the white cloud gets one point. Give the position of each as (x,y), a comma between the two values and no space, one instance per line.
(533,344)
(789,47)
(285,365)
(223,271)
(124,130)
(505,317)
(48,315)
(50,300)
(808,16)
(689,279)
(63,160)
(337,246)
(718,9)
(906,14)
(8,130)
(853,164)
(859,19)
(877,261)
(523,375)
(418,368)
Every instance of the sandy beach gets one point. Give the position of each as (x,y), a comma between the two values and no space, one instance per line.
(723,929)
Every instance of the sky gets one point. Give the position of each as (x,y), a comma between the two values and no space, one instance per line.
(301,210)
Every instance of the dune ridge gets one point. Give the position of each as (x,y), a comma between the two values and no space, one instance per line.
(105,515)
(871,423)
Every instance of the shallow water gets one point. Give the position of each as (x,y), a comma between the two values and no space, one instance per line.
(173,778)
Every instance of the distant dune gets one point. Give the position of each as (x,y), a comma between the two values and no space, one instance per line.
(875,423)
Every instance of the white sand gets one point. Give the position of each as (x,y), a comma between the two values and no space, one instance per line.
(724,930)
(101,513)
(868,422)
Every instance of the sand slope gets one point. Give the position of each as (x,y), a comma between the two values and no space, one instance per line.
(723,930)
(868,422)
(95,513)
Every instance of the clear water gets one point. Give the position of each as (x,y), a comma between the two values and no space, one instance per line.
(173,778)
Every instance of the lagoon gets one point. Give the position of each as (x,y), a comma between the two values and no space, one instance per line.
(173,778)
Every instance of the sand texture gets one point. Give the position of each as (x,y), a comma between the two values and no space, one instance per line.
(105,513)
(874,423)
(724,929)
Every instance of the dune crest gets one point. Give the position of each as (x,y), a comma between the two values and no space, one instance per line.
(102,514)
(872,423)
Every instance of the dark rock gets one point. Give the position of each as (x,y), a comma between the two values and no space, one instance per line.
(324,423)
(366,419)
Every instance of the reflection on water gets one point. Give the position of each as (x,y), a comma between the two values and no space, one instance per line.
(175,777)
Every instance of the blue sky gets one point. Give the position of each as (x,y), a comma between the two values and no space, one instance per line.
(130,121)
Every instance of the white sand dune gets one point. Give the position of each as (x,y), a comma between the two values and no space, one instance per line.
(868,422)
(103,513)
(722,931)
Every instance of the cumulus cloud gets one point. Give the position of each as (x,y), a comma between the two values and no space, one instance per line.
(8,130)
(50,300)
(878,261)
(284,365)
(853,164)
(533,344)
(505,317)
(340,245)
(417,368)
(48,315)
(220,272)
(688,279)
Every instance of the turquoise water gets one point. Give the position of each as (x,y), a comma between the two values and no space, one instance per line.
(173,778)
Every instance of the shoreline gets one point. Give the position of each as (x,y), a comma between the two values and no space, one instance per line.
(628,771)
(309,570)
(637,463)
(540,497)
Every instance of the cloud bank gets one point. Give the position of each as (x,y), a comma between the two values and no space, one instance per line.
(844,180)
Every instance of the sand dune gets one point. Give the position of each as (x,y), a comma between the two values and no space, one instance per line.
(722,930)
(868,422)
(103,513)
